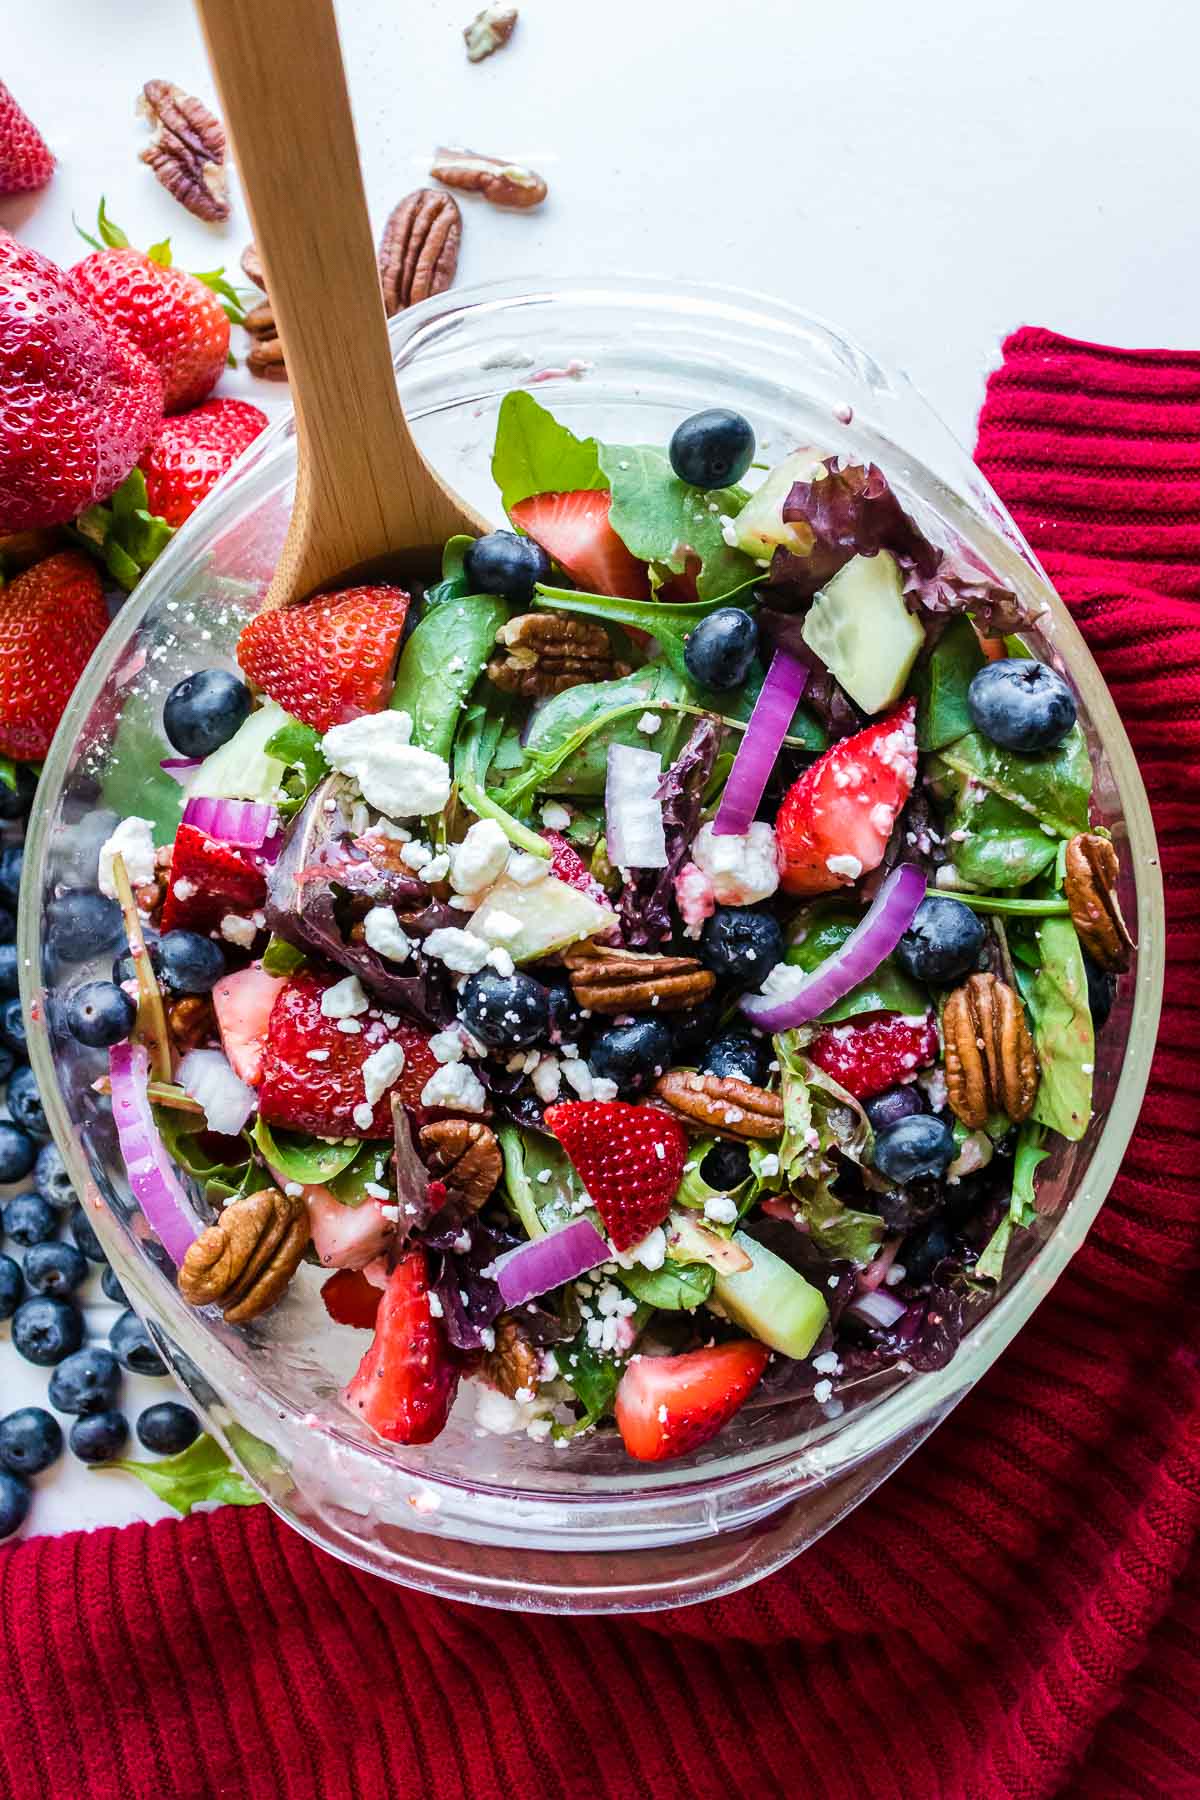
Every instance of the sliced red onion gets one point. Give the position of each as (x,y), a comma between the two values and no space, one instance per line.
(180,768)
(245,824)
(762,739)
(633,816)
(878,1308)
(874,937)
(546,1262)
(152,1175)
(207,1077)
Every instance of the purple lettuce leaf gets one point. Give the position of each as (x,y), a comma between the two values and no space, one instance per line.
(644,908)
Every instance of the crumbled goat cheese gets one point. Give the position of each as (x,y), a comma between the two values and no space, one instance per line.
(587,1085)
(555,816)
(500,925)
(133,840)
(447,1046)
(695,899)
(460,950)
(385,935)
(238,931)
(500,960)
(394,775)
(184,889)
(742,870)
(455,1084)
(345,999)
(496,1413)
(651,1252)
(436,1310)
(525,868)
(480,859)
(822,1391)
(317,1056)
(827,1363)
(547,1079)
(436,869)
(721,1209)
(768,1165)
(649,723)
(351,1027)
(363,1116)
(849,866)
(416,854)
(381,1069)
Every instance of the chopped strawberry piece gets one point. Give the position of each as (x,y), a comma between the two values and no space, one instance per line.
(346,1237)
(243,1002)
(668,1405)
(574,530)
(330,659)
(630,1159)
(835,821)
(405,1385)
(569,867)
(208,880)
(874,1052)
(350,1299)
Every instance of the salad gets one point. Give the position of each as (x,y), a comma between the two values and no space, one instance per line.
(644,969)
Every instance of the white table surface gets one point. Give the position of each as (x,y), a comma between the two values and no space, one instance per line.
(928,176)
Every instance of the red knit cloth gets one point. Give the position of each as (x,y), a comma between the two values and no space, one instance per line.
(1016,1612)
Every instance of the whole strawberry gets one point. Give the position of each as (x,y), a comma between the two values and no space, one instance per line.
(25,162)
(192,452)
(630,1159)
(77,404)
(330,659)
(51,619)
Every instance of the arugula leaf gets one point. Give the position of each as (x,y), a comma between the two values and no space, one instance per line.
(201,1472)
(814,1103)
(309,1160)
(298,747)
(837,1229)
(282,958)
(539,1205)
(887,989)
(1052,787)
(940,682)
(534,454)
(666,523)
(1055,993)
(440,665)
(1022,1205)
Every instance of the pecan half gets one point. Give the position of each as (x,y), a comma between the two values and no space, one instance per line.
(465,1155)
(1092,870)
(418,252)
(513,1365)
(187,151)
(252,267)
(265,359)
(500,183)
(244,1262)
(991,1064)
(191,1022)
(542,653)
(489,31)
(721,1103)
(606,980)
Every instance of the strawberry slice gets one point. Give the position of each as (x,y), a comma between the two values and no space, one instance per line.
(567,864)
(330,659)
(668,1405)
(873,1052)
(323,1092)
(350,1299)
(208,880)
(243,1003)
(574,530)
(630,1159)
(834,823)
(405,1384)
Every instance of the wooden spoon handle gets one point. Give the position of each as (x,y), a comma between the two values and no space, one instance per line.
(363,489)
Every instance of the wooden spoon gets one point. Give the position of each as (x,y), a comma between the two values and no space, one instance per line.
(367,502)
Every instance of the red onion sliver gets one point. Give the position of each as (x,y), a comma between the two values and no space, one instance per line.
(180,768)
(874,937)
(245,824)
(546,1262)
(152,1175)
(878,1308)
(785,682)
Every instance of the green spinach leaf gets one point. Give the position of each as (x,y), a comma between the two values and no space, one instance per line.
(534,454)
(1055,993)
(370,1168)
(566,748)
(1052,787)
(299,748)
(1001,846)
(676,1287)
(940,682)
(8,772)
(181,1133)
(669,624)
(440,665)
(594,1376)
(1022,1205)
(133,784)
(474,747)
(666,523)
(540,1182)
(309,1160)
(201,1472)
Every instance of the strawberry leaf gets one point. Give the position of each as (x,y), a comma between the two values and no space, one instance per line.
(125,534)
(111,235)
(161,253)
(233,300)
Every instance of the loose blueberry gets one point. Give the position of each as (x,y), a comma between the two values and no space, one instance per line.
(84,1234)
(100,1013)
(506,1012)
(9,978)
(204,710)
(726,1166)
(123,969)
(188,963)
(111,1286)
(168,1428)
(943,941)
(87,1382)
(55,1268)
(29,1218)
(12,858)
(18,1153)
(8,922)
(566,1015)
(7,1062)
(737,1054)
(98,1437)
(712,449)
(25,1103)
(1021,704)
(692,1030)
(15,1501)
(16,801)
(12,1028)
(1101,991)
(887,1109)
(917,1146)
(741,945)
(30,1440)
(12,1286)
(45,1330)
(83,923)
(132,1347)
(925,1250)
(51,1179)
(632,1055)
(503,563)
(719,651)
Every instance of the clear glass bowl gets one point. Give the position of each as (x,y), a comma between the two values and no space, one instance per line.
(503,1521)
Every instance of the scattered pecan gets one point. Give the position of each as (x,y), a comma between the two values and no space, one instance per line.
(499,182)
(542,653)
(513,1365)
(489,31)
(1092,870)
(187,151)
(418,252)
(149,897)
(722,1103)
(465,1155)
(606,980)
(991,1064)
(244,1262)
(265,359)
(191,1022)
(252,267)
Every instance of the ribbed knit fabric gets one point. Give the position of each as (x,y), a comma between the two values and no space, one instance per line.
(1016,1613)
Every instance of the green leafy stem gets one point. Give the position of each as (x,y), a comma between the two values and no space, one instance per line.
(1049,908)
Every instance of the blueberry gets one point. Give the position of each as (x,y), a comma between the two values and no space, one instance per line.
(1021,704)
(83,923)
(632,1055)
(98,1437)
(8,922)
(29,1219)
(943,941)
(12,1286)
(738,1054)
(203,711)
(16,801)
(188,963)
(1101,991)
(713,448)
(7,1062)
(30,1440)
(924,1250)
(100,1013)
(55,1268)
(15,1501)
(566,1014)
(25,1103)
(44,1330)
(12,858)
(917,1146)
(12,1028)
(111,1286)
(726,1166)
(505,1011)
(168,1428)
(887,1109)
(84,1234)
(86,1382)
(9,978)
(123,969)
(719,651)
(503,563)
(692,1030)
(18,1153)
(132,1347)
(741,945)
(51,1179)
